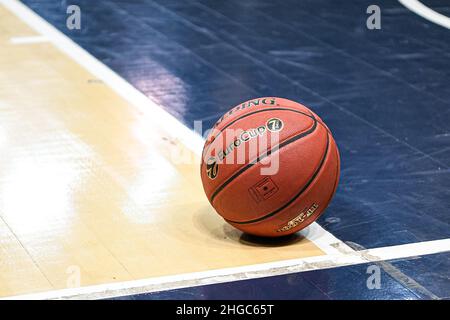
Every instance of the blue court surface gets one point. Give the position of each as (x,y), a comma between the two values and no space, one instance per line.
(384,93)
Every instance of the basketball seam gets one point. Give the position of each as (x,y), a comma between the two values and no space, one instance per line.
(313,218)
(249,114)
(324,126)
(267,153)
(303,189)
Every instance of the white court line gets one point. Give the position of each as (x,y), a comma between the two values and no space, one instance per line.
(326,241)
(338,253)
(411,249)
(427,13)
(241,273)
(28,40)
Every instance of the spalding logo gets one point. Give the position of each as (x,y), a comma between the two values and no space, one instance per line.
(249,104)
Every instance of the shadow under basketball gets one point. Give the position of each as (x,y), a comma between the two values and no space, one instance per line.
(256,241)
(208,221)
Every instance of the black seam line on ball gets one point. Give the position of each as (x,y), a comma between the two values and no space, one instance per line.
(266,154)
(249,114)
(293,198)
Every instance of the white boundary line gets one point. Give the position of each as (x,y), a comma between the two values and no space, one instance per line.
(427,13)
(28,40)
(242,273)
(338,253)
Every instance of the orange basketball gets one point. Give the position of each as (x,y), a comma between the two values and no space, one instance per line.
(270,166)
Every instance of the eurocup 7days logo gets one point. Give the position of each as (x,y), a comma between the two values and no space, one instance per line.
(212,164)
(274,124)
(212,168)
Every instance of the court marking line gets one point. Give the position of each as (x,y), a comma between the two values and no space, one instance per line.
(425,12)
(128,92)
(195,279)
(28,40)
(338,253)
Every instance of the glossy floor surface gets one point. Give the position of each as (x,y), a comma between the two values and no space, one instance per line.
(87,179)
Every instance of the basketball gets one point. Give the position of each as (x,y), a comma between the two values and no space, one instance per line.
(270,167)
